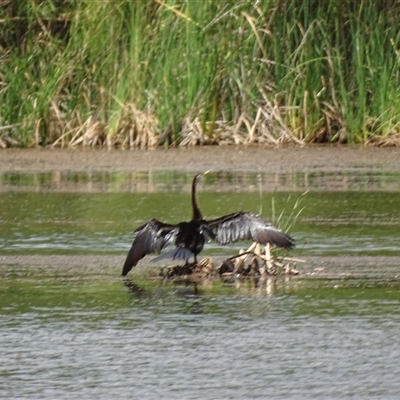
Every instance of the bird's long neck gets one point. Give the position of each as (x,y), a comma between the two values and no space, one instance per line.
(196,210)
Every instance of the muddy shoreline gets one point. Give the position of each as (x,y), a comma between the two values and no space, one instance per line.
(287,159)
(382,268)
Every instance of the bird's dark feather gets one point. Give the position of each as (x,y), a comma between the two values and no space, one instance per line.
(178,253)
(244,226)
(150,238)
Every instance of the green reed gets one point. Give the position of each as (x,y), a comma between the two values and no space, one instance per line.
(138,73)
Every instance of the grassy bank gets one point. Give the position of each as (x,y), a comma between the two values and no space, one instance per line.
(146,73)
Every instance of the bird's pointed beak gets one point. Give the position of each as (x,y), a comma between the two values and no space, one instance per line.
(205,173)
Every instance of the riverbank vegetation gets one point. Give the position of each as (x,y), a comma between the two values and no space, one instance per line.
(162,72)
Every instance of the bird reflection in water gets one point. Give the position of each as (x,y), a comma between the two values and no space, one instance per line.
(132,286)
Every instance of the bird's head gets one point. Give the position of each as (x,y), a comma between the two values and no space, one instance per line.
(199,176)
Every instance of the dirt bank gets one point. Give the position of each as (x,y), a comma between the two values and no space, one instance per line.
(219,158)
(337,267)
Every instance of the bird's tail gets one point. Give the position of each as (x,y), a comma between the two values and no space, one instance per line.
(178,253)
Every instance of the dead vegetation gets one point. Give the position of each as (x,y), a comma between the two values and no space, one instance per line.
(253,264)
(137,129)
(390,140)
(134,128)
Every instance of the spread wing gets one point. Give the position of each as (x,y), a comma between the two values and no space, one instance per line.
(151,237)
(244,225)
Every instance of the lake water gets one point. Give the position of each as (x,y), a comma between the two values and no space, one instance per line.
(73,329)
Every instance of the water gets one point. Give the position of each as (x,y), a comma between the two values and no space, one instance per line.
(70,328)
(65,335)
(71,335)
(96,213)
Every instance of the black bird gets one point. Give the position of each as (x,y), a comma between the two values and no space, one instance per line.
(190,236)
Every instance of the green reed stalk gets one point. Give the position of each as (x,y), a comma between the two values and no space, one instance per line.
(123,72)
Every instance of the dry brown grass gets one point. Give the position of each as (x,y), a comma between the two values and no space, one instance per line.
(390,140)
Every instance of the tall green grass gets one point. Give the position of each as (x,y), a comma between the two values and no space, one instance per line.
(142,73)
